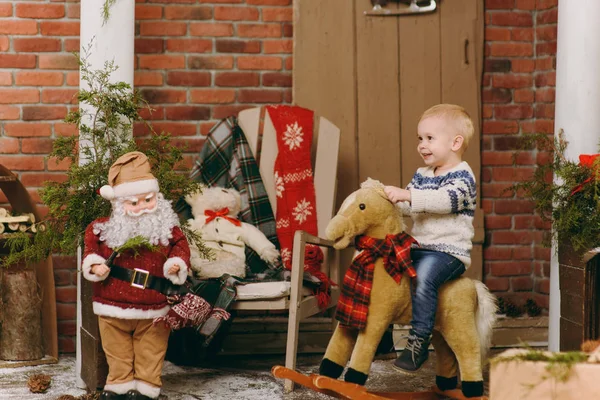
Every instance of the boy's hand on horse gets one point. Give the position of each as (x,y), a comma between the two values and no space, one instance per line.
(396,194)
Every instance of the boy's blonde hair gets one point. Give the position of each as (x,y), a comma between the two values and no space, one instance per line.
(457,115)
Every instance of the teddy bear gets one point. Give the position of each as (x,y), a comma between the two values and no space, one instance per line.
(215,211)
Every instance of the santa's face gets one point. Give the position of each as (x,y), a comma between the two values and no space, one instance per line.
(144,203)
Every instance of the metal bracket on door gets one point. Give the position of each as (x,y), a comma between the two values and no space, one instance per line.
(413,8)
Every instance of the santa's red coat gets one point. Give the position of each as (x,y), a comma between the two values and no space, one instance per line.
(116,298)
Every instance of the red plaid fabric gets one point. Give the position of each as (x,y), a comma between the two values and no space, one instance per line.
(353,304)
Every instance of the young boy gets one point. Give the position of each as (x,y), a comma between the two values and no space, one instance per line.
(441,202)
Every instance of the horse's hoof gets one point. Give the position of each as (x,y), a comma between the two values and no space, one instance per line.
(330,369)
(354,376)
(446,383)
(472,389)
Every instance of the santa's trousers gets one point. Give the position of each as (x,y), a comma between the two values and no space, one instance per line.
(135,350)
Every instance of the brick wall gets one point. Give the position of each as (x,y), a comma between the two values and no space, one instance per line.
(200,60)
(518,98)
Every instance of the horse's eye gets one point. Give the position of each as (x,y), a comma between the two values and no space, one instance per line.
(362,206)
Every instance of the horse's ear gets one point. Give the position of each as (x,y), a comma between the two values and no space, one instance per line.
(375,185)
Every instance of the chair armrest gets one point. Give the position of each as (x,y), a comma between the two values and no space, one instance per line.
(311,239)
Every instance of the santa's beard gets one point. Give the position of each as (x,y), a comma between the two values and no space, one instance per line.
(156,225)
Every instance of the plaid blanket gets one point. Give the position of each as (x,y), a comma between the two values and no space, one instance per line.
(353,304)
(226,160)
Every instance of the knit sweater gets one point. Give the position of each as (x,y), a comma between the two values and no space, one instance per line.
(442,209)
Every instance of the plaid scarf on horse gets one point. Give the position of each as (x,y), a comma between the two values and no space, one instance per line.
(226,160)
(353,304)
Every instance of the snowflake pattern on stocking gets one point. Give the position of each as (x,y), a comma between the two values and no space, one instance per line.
(286,255)
(302,210)
(279,187)
(293,136)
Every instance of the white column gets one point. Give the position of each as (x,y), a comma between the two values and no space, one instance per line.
(111,40)
(577,104)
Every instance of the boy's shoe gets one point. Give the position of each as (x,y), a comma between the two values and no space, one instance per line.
(414,354)
(108,395)
(135,395)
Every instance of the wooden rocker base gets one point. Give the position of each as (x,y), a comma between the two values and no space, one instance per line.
(344,390)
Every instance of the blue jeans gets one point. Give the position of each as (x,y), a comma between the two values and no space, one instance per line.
(433,268)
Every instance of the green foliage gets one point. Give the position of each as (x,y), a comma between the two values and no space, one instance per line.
(106,9)
(136,244)
(559,364)
(104,136)
(575,217)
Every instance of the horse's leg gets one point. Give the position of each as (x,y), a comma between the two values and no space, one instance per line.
(463,339)
(338,351)
(446,366)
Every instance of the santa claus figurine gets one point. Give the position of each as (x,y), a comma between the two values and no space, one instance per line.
(130,289)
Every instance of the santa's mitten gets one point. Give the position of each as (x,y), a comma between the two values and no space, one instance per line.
(270,254)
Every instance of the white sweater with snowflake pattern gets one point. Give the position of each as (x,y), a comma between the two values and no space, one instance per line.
(442,209)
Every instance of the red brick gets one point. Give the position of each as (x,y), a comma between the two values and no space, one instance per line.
(66,345)
(189,12)
(211,29)
(63,129)
(522,253)
(525,4)
(162,28)
(513,111)
(174,128)
(65,311)
(259,63)
(37,179)
(544,110)
(524,221)
(58,61)
(288,30)
(275,46)
(188,78)
(63,28)
(497,222)
(497,284)
(497,253)
(19,129)
(23,163)
(71,45)
(512,18)
(61,278)
(522,283)
(18,27)
(545,79)
(73,78)
(147,78)
(542,286)
(499,4)
(259,96)
(36,146)
(278,14)
(210,62)
(523,65)
(546,4)
(161,61)
(39,11)
(5,78)
(277,79)
(158,96)
(237,79)
(237,46)
(545,95)
(524,96)
(39,113)
(4,43)
(54,165)
(9,145)
(145,11)
(224,13)
(512,81)
(73,11)
(511,268)
(511,49)
(513,207)
(190,45)
(522,34)
(17,60)
(212,96)
(152,113)
(147,45)
(59,96)
(496,95)
(546,48)
(259,30)
(190,145)
(16,96)
(9,112)
(500,127)
(36,44)
(6,10)
(494,34)
(496,158)
(547,17)
(546,33)
(187,113)
(68,328)
(269,2)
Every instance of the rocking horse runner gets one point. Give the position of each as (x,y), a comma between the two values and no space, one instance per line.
(466,310)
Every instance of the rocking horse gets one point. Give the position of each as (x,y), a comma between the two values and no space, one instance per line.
(465,315)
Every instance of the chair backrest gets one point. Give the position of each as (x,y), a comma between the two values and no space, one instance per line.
(324,159)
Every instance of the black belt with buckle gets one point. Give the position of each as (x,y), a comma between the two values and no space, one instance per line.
(141,279)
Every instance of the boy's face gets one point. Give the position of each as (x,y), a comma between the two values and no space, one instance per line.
(438,145)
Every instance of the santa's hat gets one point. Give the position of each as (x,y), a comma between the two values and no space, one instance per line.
(130,175)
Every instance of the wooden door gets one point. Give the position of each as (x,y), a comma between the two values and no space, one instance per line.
(374,76)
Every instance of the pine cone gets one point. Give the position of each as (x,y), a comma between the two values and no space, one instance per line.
(39,383)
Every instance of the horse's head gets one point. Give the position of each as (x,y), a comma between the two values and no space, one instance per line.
(366,211)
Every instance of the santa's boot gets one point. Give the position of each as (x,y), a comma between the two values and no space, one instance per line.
(108,395)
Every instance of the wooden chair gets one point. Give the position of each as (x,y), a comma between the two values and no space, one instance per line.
(326,138)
